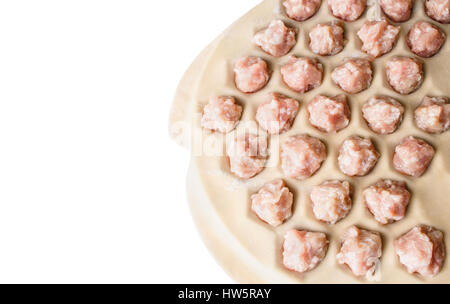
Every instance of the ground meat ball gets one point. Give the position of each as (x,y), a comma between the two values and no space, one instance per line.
(424,39)
(347,10)
(357,156)
(276,40)
(301,10)
(273,203)
(251,74)
(302,156)
(302,74)
(397,10)
(247,155)
(438,10)
(331,201)
(277,114)
(413,156)
(221,114)
(329,114)
(326,40)
(353,76)
(433,115)
(304,250)
(421,250)
(360,251)
(378,37)
(404,74)
(383,114)
(387,200)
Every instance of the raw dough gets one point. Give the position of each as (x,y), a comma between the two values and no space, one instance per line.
(250,250)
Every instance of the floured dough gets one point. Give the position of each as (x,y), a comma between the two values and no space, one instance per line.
(251,250)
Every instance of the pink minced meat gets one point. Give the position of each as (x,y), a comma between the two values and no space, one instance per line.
(302,74)
(357,156)
(326,39)
(247,155)
(387,200)
(413,156)
(404,74)
(433,115)
(301,10)
(331,201)
(273,203)
(421,250)
(397,10)
(347,10)
(353,75)
(277,114)
(425,39)
(302,156)
(383,114)
(304,250)
(360,251)
(277,39)
(221,114)
(329,114)
(378,37)
(251,74)
(438,10)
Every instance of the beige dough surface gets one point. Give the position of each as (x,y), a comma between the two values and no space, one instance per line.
(248,249)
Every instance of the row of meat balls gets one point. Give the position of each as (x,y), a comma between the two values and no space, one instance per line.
(351,10)
(328,114)
(377,37)
(353,75)
(331,201)
(421,250)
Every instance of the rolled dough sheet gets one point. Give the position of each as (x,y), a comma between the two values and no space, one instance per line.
(249,250)
(180,114)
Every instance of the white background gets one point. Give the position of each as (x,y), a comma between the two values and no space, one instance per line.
(91,188)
